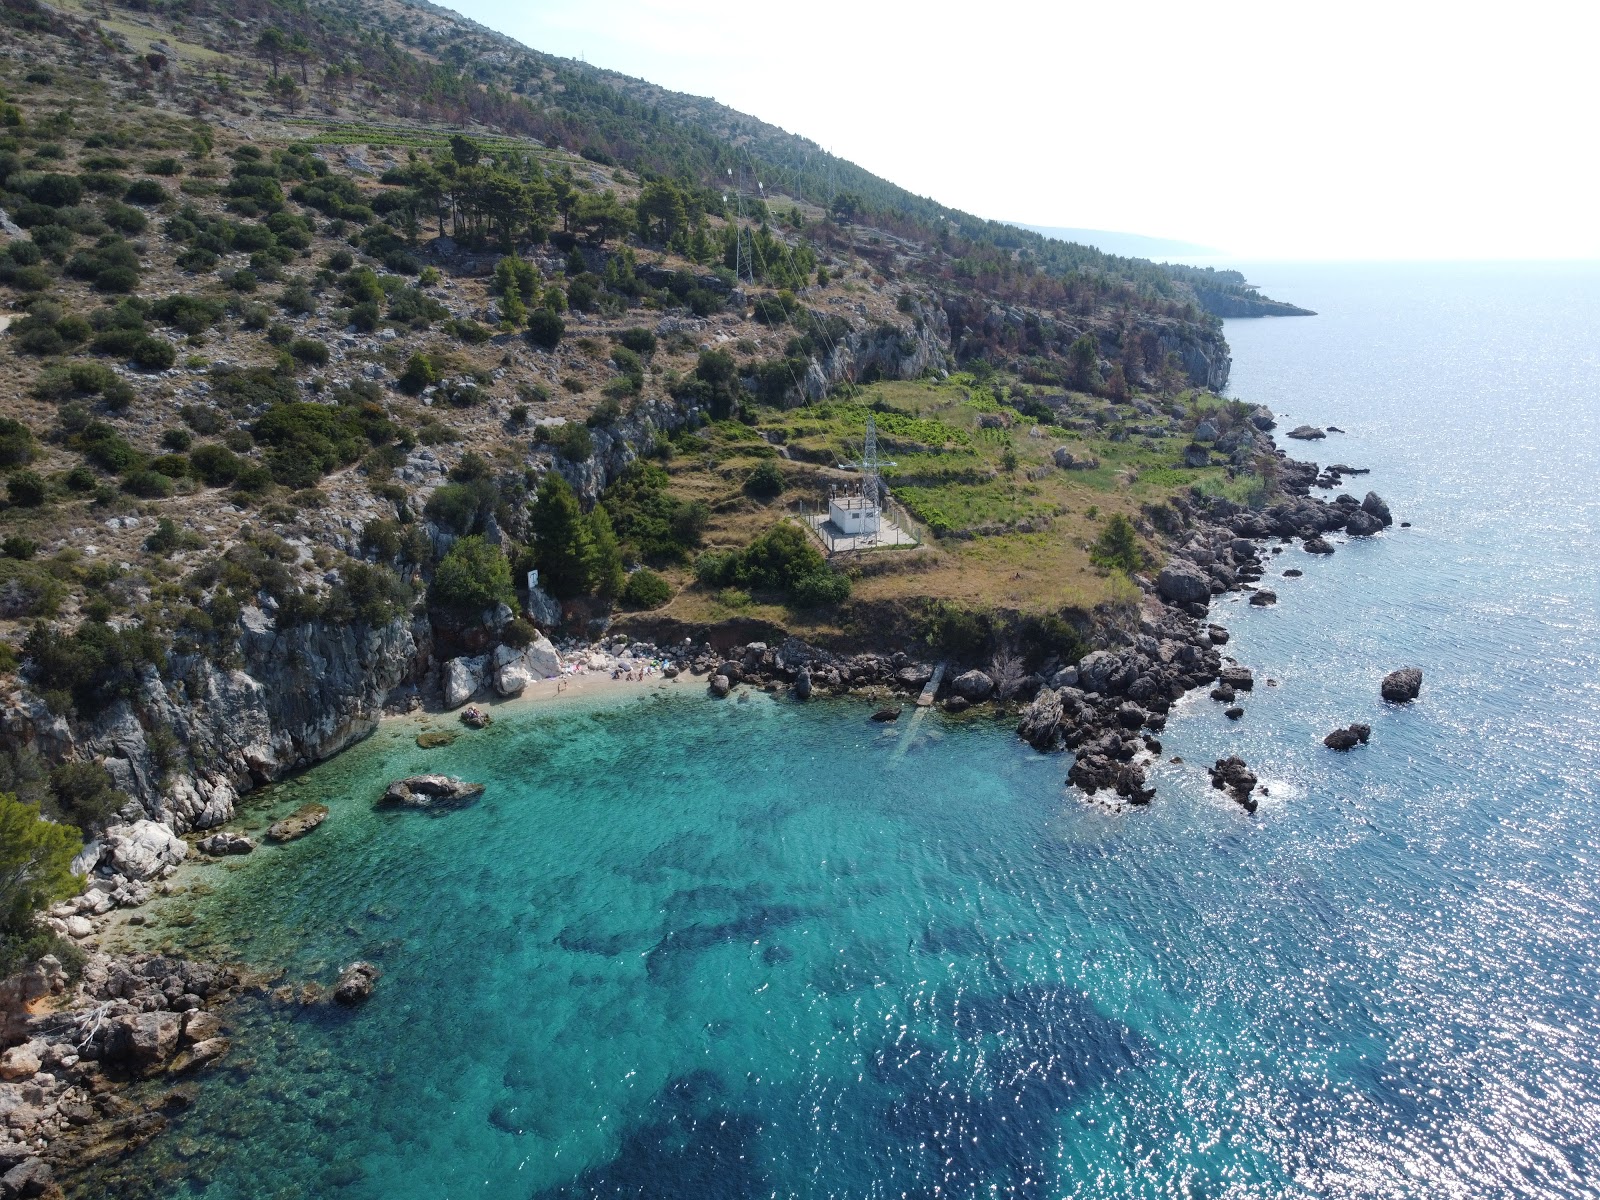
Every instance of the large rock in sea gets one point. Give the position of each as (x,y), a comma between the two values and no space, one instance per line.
(1374,505)
(355,983)
(802,684)
(430,793)
(462,679)
(1307,433)
(1349,738)
(1402,686)
(142,850)
(972,686)
(1362,524)
(1041,720)
(1182,582)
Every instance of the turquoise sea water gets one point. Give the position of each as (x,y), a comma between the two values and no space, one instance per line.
(691,949)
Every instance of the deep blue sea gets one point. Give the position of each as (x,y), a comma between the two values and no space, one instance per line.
(693,950)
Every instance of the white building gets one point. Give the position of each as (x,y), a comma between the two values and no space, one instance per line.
(854,515)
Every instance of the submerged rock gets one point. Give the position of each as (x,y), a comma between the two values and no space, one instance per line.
(220,844)
(1402,686)
(432,793)
(298,823)
(355,983)
(889,712)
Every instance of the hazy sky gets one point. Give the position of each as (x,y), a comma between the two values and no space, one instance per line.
(1282,129)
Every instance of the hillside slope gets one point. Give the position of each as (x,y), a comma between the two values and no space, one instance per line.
(329,323)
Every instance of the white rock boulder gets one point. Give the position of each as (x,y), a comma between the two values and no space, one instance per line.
(515,669)
(462,679)
(143,849)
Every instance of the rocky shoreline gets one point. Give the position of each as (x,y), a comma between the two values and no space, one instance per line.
(75,1052)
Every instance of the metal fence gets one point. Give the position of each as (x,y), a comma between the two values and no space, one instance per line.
(897,530)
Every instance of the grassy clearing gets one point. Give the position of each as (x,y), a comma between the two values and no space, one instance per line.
(1016,529)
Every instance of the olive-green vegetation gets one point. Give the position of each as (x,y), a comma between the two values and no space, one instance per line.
(35,870)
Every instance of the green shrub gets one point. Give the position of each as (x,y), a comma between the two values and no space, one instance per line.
(571,441)
(309,351)
(29,589)
(18,547)
(1117,548)
(17,445)
(146,192)
(35,871)
(95,664)
(420,373)
(765,481)
(147,484)
(646,589)
(641,341)
(189,313)
(783,559)
(82,795)
(25,489)
(154,354)
(474,575)
(215,465)
(545,329)
(462,508)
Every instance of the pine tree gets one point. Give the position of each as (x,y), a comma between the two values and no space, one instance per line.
(561,539)
(605,557)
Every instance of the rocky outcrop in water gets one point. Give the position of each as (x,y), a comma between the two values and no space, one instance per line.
(1348,738)
(355,983)
(63,1101)
(430,793)
(1402,686)
(298,823)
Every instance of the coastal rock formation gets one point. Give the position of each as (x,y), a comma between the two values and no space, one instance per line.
(462,679)
(1263,597)
(298,823)
(355,983)
(1232,775)
(430,793)
(1348,738)
(219,845)
(720,685)
(515,669)
(889,712)
(972,685)
(1307,433)
(1402,686)
(1183,582)
(143,850)
(543,609)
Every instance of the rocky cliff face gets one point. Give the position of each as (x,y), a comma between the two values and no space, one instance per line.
(299,695)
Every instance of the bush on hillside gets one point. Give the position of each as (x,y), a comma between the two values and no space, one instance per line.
(646,589)
(473,576)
